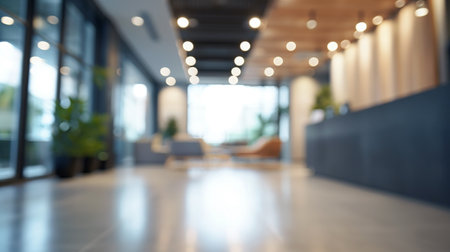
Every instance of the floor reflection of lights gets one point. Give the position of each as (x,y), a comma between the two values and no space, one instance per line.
(225,206)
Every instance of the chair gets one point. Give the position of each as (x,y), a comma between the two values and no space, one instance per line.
(263,148)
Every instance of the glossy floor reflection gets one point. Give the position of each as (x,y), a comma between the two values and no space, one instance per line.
(219,207)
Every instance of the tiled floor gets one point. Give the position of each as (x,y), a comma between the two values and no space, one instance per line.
(214,208)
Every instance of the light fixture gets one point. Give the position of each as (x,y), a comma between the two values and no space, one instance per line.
(164,71)
(233,80)
(357,34)
(377,20)
(6,20)
(36,60)
(183,22)
(421,9)
(400,3)
(278,61)
(313,61)
(188,46)
(171,81)
(269,72)
(311,24)
(53,20)
(190,61)
(64,70)
(43,45)
(245,46)
(290,46)
(239,61)
(38,23)
(137,21)
(235,71)
(139,91)
(345,43)
(192,71)
(254,22)
(194,79)
(332,46)
(361,26)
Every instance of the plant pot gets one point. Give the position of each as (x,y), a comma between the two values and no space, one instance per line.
(103,165)
(67,167)
(90,164)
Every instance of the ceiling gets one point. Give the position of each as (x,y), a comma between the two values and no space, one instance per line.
(156,43)
(217,29)
(219,26)
(286,21)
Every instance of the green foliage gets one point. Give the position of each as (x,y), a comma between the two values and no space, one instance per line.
(324,99)
(171,129)
(76,136)
(6,97)
(100,75)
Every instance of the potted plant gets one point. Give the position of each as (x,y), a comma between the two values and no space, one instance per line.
(67,141)
(324,106)
(93,133)
(171,129)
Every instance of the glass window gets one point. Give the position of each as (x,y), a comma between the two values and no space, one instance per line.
(17,7)
(71,72)
(11,46)
(73,30)
(41,99)
(47,19)
(132,119)
(224,113)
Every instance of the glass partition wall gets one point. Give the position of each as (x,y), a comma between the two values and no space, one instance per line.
(48,51)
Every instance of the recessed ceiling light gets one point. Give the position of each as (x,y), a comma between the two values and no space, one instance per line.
(164,71)
(53,20)
(377,20)
(400,3)
(6,20)
(190,61)
(36,60)
(269,71)
(43,45)
(332,46)
(235,71)
(421,9)
(345,43)
(183,22)
(188,46)
(361,26)
(290,46)
(194,80)
(239,61)
(254,22)
(357,34)
(311,24)
(171,81)
(313,61)
(278,61)
(64,70)
(137,21)
(192,71)
(233,80)
(245,46)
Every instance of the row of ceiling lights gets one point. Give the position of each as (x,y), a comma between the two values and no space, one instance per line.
(360,27)
(255,23)
(188,46)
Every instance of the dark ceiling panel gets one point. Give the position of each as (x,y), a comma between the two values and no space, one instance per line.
(218,27)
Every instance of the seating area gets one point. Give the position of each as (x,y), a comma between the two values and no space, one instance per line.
(182,147)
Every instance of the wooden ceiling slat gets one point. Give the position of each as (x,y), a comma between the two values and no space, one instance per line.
(286,21)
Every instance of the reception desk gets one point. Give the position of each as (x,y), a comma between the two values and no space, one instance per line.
(402,146)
